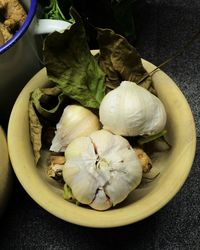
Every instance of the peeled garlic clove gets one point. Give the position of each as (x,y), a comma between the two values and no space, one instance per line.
(101,169)
(75,121)
(131,110)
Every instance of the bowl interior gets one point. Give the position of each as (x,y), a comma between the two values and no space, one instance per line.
(173,165)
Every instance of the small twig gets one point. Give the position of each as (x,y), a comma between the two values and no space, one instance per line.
(178,53)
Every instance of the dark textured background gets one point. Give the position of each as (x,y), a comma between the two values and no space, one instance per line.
(165,27)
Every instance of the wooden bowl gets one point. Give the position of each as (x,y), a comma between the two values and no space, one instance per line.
(174,165)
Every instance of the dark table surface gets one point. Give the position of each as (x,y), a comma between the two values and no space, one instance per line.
(166,27)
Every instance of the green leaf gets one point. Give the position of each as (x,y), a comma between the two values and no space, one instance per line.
(53,11)
(154,143)
(123,9)
(119,59)
(68,195)
(72,67)
(145,139)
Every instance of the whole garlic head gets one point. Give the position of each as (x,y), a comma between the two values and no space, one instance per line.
(131,110)
(75,121)
(101,169)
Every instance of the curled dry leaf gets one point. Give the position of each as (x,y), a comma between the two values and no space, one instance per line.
(47,101)
(119,59)
(45,106)
(35,131)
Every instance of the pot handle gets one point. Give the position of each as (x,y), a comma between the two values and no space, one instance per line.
(46,26)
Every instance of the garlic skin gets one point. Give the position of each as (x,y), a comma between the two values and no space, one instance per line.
(75,121)
(101,169)
(131,110)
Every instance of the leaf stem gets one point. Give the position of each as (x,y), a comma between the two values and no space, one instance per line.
(176,54)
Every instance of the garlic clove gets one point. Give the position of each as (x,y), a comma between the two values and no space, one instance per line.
(77,172)
(75,121)
(119,189)
(83,185)
(101,201)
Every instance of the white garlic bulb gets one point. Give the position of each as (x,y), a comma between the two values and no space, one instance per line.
(131,110)
(101,169)
(75,121)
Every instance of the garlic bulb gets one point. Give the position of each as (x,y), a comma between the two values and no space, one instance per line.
(101,169)
(131,110)
(75,121)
